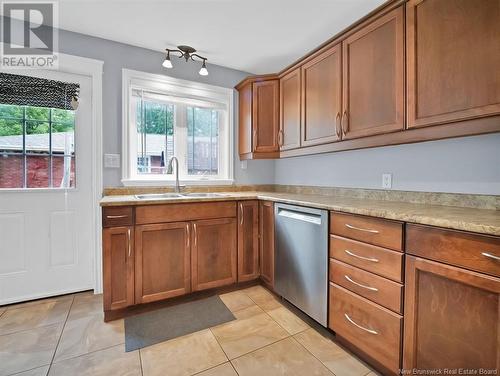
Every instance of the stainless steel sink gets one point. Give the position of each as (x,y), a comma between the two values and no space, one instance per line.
(156,196)
(202,195)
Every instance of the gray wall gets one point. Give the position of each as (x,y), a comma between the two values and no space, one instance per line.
(461,165)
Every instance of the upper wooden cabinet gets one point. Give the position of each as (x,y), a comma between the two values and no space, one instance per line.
(322,98)
(453,60)
(162,261)
(258,118)
(213,255)
(248,240)
(290,94)
(373,78)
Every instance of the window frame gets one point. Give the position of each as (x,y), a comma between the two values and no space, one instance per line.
(156,83)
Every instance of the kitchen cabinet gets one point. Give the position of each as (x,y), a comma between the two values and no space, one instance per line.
(266,232)
(452,61)
(322,98)
(213,253)
(162,261)
(290,94)
(258,118)
(118,266)
(373,78)
(452,317)
(248,240)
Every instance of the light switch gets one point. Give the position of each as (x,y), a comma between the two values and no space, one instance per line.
(244,165)
(387,181)
(112,160)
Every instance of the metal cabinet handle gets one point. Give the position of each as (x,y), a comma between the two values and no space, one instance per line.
(188,235)
(280,138)
(338,125)
(360,285)
(195,233)
(350,253)
(361,229)
(345,122)
(371,331)
(489,255)
(116,216)
(255,138)
(129,236)
(242,219)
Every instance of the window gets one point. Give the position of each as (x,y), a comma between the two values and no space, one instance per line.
(166,117)
(37,147)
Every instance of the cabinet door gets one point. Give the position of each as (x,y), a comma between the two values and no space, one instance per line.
(289,134)
(213,255)
(118,267)
(373,78)
(453,60)
(248,240)
(452,317)
(266,231)
(245,120)
(322,98)
(162,261)
(265,116)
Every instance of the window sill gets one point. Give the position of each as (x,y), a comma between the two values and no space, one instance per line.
(171,183)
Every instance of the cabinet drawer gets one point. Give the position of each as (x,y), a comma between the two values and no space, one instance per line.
(381,232)
(113,216)
(471,251)
(374,259)
(379,290)
(373,329)
(184,212)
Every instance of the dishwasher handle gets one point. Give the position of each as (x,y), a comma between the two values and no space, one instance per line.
(300,216)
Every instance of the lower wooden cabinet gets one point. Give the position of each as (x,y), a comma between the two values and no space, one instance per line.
(118,267)
(266,246)
(162,261)
(248,240)
(452,317)
(213,253)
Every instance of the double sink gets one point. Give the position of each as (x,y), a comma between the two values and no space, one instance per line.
(156,196)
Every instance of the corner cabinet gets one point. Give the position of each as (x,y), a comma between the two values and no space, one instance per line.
(290,103)
(248,240)
(258,118)
(266,246)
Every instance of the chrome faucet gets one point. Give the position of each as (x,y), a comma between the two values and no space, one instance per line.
(169,171)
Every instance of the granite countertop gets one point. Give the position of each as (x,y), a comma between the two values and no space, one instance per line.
(485,221)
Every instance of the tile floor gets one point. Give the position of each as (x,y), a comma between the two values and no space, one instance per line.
(67,336)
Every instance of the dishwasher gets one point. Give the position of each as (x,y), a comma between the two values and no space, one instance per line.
(301,258)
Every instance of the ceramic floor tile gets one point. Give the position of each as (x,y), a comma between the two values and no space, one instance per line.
(336,359)
(39,301)
(248,312)
(225,369)
(242,336)
(40,371)
(236,300)
(85,304)
(89,334)
(34,316)
(262,297)
(286,357)
(112,361)
(185,355)
(288,320)
(28,349)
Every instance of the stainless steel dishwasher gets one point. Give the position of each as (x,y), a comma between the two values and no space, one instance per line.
(301,258)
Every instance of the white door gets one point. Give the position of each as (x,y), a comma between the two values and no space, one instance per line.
(46,232)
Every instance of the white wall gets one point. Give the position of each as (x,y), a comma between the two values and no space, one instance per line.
(461,165)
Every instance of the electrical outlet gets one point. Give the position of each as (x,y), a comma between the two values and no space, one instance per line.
(244,164)
(387,181)
(112,160)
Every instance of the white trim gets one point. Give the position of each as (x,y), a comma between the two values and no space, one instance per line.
(190,89)
(94,69)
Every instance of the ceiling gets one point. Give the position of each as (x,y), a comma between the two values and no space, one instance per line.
(256,36)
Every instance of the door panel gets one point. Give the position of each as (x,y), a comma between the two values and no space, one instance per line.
(373,78)
(245,120)
(162,261)
(266,228)
(213,253)
(452,60)
(322,98)
(289,136)
(265,115)
(248,240)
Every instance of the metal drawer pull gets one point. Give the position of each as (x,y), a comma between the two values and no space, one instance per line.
(129,243)
(490,256)
(360,285)
(371,331)
(360,257)
(116,216)
(361,229)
